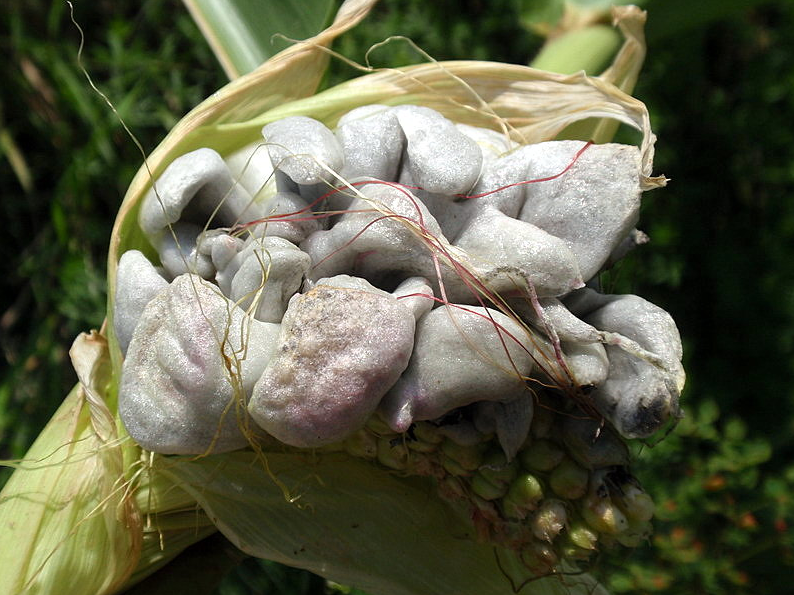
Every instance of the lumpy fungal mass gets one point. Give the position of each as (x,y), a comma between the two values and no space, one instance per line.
(420,294)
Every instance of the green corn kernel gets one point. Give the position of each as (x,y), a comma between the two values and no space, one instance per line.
(497,470)
(572,552)
(452,467)
(427,432)
(569,480)
(468,457)
(549,520)
(592,445)
(423,447)
(635,503)
(524,494)
(542,455)
(362,444)
(603,515)
(379,427)
(392,453)
(636,534)
(540,558)
(485,489)
(543,419)
(582,536)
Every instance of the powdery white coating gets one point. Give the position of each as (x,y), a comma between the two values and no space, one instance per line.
(587,362)
(439,157)
(630,242)
(638,396)
(342,345)
(460,356)
(176,394)
(372,142)
(195,188)
(284,183)
(379,234)
(637,319)
(181,253)
(450,215)
(137,282)
(510,253)
(556,319)
(579,339)
(251,168)
(220,247)
(500,178)
(268,272)
(592,206)
(289,217)
(303,148)
(417,295)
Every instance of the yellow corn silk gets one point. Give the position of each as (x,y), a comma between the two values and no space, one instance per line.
(88,511)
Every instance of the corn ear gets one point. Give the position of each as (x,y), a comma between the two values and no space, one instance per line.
(91,510)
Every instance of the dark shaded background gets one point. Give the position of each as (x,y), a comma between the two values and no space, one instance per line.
(719,83)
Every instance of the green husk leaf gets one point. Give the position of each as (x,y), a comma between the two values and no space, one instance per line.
(66,515)
(589,49)
(622,73)
(241,32)
(353,523)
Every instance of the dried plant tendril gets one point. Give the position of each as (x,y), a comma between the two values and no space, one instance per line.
(409,291)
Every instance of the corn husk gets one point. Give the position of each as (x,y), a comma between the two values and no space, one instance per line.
(67,508)
(91,512)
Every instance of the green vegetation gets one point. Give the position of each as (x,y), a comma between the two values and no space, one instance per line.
(717,81)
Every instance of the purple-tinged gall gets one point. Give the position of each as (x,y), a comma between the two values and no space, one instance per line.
(343,344)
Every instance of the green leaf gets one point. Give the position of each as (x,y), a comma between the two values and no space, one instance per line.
(241,32)
(356,524)
(541,15)
(588,49)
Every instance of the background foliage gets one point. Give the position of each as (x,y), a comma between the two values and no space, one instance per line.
(718,82)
